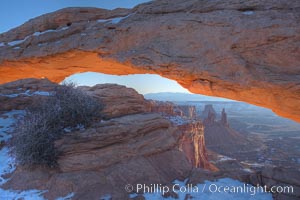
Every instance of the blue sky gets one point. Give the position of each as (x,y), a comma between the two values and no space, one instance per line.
(143,83)
(15,12)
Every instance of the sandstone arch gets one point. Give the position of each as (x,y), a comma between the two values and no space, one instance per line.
(244,50)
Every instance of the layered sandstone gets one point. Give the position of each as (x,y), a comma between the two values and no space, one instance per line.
(245,50)
(118,100)
(131,146)
(113,141)
(172,109)
(20,94)
(191,141)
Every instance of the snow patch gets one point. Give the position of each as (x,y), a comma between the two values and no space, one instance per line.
(68,197)
(106,197)
(248,170)
(24,195)
(6,123)
(249,12)
(252,164)
(16,42)
(177,120)
(8,165)
(224,158)
(2,44)
(50,31)
(115,20)
(27,93)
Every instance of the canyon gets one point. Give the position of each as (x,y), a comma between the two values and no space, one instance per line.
(244,50)
(135,142)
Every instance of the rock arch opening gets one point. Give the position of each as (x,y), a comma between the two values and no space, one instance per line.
(205,51)
(232,129)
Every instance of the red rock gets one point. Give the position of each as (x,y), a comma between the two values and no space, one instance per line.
(118,100)
(171,109)
(113,141)
(219,136)
(192,141)
(215,48)
(133,146)
(208,109)
(20,89)
(192,144)
(224,120)
(279,177)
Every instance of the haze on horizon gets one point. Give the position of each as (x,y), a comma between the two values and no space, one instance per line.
(150,85)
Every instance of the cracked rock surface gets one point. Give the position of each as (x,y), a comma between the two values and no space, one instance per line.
(246,50)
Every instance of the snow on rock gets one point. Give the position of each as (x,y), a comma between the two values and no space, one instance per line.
(115,20)
(17,42)
(8,162)
(7,165)
(6,121)
(24,195)
(106,197)
(178,120)
(68,197)
(224,158)
(249,12)
(50,31)
(27,93)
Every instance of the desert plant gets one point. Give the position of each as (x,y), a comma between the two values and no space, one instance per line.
(45,122)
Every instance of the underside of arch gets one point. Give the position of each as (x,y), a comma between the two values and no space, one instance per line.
(247,51)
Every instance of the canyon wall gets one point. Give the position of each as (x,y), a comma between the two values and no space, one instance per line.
(244,50)
(131,145)
(191,141)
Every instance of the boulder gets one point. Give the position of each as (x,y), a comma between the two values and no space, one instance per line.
(118,100)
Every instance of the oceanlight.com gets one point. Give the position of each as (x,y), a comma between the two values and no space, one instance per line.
(212,188)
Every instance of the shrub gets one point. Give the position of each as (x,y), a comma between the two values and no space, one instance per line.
(45,122)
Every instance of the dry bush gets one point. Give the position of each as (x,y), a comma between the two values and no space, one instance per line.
(45,122)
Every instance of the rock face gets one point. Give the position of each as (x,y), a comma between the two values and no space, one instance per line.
(278,176)
(245,50)
(191,141)
(219,136)
(171,109)
(118,100)
(19,94)
(224,120)
(113,141)
(131,146)
(208,110)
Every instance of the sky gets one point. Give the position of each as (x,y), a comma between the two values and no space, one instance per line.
(142,83)
(17,12)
